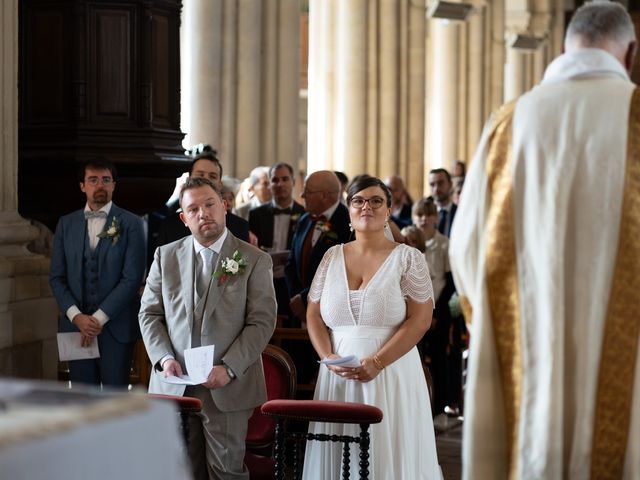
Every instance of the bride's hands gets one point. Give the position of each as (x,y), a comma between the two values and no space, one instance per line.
(366,372)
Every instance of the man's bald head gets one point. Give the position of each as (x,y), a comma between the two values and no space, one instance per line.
(321,191)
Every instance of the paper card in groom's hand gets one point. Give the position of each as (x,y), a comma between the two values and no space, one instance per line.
(70,347)
(198,362)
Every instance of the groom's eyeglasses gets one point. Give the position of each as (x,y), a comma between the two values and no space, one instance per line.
(374,202)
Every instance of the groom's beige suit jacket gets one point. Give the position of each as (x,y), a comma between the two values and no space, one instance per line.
(239,318)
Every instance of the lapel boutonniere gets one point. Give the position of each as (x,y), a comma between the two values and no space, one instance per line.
(294,218)
(113,232)
(325,229)
(230,267)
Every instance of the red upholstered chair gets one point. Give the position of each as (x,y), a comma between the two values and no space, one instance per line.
(186,406)
(280,376)
(321,411)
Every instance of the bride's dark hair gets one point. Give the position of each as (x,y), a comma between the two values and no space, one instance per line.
(365,181)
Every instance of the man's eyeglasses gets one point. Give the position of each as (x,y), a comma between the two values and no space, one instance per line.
(306,192)
(95,180)
(374,202)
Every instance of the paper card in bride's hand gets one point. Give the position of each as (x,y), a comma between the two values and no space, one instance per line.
(349,361)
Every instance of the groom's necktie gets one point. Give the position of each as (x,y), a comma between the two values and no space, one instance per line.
(207,259)
(204,278)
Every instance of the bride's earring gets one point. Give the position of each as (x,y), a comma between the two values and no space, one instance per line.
(350,227)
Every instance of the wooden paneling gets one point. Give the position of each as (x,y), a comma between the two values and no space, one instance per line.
(47,86)
(161,72)
(98,78)
(113,71)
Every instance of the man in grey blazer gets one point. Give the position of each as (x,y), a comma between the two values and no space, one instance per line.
(232,308)
(97,266)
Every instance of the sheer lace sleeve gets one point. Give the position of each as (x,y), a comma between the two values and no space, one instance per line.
(416,281)
(315,292)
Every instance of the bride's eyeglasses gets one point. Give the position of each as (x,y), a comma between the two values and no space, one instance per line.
(374,202)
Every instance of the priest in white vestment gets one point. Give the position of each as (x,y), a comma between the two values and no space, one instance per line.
(545,250)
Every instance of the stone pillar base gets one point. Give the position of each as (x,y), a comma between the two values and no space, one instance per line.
(28,312)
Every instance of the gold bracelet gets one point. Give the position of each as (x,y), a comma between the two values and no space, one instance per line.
(378,363)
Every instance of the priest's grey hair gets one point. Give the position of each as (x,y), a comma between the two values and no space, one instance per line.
(596,24)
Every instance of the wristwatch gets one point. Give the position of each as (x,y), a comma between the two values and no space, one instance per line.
(232,375)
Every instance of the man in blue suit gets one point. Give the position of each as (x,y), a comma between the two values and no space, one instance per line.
(441,190)
(97,267)
(325,224)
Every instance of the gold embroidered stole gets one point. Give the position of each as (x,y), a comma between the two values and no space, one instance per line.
(620,341)
(502,275)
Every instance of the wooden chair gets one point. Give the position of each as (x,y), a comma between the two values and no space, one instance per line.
(187,406)
(321,411)
(280,377)
(290,338)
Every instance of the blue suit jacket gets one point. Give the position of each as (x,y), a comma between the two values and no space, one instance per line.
(339,224)
(120,271)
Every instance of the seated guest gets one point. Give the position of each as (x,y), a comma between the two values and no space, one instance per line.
(344,183)
(436,342)
(258,192)
(400,209)
(441,191)
(229,189)
(205,165)
(414,237)
(325,224)
(274,223)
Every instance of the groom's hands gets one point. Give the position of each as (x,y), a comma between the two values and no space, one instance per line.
(172,367)
(218,377)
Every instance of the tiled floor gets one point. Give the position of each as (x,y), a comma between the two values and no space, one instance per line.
(449,446)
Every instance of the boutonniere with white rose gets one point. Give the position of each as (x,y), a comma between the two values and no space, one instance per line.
(113,232)
(295,217)
(230,267)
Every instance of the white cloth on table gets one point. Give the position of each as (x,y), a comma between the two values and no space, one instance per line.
(403,444)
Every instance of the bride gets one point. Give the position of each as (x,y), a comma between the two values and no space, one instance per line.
(373,298)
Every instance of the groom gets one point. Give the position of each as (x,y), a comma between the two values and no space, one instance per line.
(191,299)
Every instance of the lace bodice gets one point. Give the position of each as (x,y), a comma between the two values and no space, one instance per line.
(382,302)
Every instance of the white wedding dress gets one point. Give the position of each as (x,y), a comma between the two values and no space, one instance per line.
(361,321)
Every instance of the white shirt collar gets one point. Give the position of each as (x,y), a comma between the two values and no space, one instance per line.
(106,209)
(446,207)
(275,205)
(331,210)
(215,246)
(583,62)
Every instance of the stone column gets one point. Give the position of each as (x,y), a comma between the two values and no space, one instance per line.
(366,88)
(240,73)
(525,68)
(465,78)
(443,94)
(28,314)
(515,83)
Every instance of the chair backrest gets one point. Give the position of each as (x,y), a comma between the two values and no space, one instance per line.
(280,376)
